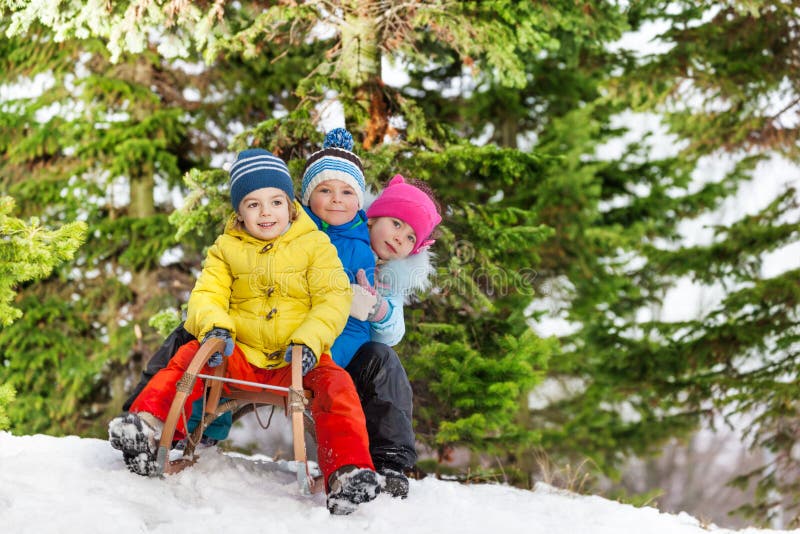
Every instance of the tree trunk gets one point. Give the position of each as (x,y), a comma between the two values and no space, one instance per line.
(142,202)
(509,129)
(360,58)
(360,66)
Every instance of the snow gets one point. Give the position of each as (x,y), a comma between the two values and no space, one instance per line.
(73,484)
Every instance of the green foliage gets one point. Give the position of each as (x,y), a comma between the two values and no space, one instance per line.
(480,390)
(7,396)
(30,252)
(165,321)
(205,208)
(53,375)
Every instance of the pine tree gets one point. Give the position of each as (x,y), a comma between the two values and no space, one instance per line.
(107,143)
(729,85)
(88,147)
(27,252)
(629,383)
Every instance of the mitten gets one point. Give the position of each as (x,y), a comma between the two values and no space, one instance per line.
(309,358)
(381,307)
(363,302)
(224,335)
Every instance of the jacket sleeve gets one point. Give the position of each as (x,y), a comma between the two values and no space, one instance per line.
(330,295)
(210,299)
(391,329)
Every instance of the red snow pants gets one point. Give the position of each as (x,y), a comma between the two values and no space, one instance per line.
(340,423)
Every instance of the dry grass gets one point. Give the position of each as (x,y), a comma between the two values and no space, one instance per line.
(576,479)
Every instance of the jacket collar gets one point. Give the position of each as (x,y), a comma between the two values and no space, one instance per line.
(356,228)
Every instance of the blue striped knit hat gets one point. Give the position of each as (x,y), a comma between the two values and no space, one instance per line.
(336,161)
(256,168)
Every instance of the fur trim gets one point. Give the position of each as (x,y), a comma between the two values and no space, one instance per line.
(408,276)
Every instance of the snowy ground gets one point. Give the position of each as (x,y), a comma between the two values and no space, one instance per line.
(64,485)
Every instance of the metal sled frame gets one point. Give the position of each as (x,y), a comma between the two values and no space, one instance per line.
(293,399)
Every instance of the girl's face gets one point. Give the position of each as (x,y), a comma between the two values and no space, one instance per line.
(390,238)
(334,202)
(265,213)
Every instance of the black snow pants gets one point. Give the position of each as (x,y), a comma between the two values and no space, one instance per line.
(382,386)
(386,397)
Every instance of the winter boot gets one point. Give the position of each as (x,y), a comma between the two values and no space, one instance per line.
(349,487)
(137,435)
(395,483)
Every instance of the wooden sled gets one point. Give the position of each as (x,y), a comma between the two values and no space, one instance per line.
(293,399)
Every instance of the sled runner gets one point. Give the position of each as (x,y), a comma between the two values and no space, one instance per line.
(293,399)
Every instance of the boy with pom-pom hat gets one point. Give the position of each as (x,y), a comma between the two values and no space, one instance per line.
(333,189)
(332,193)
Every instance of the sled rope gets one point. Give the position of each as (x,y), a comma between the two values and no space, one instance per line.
(258,417)
(188,435)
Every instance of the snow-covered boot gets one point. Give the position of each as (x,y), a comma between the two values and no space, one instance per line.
(144,464)
(349,487)
(136,435)
(395,483)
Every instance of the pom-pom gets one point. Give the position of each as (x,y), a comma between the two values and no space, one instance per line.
(338,138)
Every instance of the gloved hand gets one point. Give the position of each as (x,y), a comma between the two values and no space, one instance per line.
(309,358)
(224,335)
(381,307)
(363,302)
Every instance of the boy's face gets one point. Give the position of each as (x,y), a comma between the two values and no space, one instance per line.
(334,201)
(390,238)
(265,212)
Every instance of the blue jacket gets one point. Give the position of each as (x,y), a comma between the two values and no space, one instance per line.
(352,244)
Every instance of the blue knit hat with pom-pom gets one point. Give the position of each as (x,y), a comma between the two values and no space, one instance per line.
(336,161)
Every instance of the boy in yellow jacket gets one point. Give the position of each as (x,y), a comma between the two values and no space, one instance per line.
(270,281)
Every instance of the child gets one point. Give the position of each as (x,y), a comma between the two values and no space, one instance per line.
(269,282)
(332,193)
(401,221)
(333,187)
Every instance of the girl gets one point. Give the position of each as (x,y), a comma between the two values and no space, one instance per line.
(401,222)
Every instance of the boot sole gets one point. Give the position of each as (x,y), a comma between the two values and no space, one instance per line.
(355,489)
(142,464)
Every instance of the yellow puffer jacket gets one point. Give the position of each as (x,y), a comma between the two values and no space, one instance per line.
(269,294)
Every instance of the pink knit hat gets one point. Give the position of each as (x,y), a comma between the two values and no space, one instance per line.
(411,205)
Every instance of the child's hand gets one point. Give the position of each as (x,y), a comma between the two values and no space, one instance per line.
(224,335)
(380,308)
(309,358)
(363,302)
